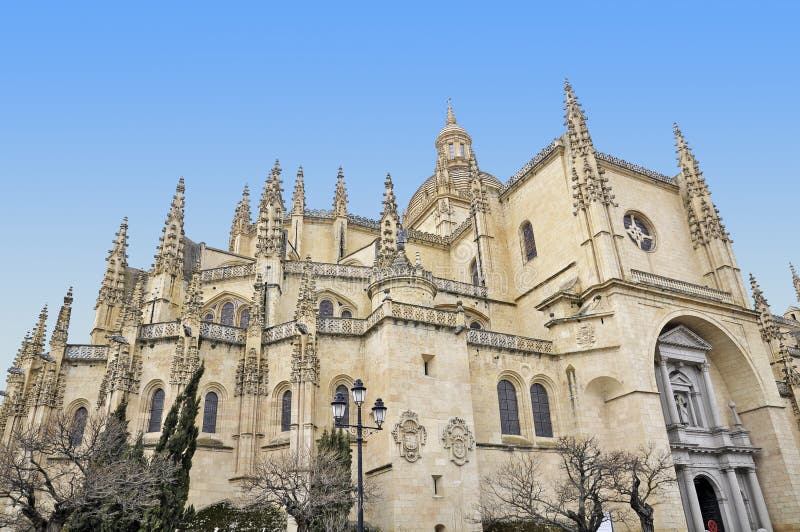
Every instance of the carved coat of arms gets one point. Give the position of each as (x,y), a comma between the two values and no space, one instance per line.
(458,439)
(409,435)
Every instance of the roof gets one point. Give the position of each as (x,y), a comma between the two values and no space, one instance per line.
(460,177)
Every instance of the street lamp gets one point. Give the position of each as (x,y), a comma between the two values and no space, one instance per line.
(339,405)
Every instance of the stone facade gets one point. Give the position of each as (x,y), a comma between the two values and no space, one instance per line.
(601,295)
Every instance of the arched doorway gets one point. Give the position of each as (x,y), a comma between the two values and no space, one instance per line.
(709,506)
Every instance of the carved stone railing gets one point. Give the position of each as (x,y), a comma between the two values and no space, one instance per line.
(509,341)
(154,331)
(422,237)
(785,321)
(422,314)
(400,270)
(223,333)
(362,221)
(323,269)
(635,168)
(341,326)
(279,332)
(86,352)
(530,165)
(461,229)
(228,272)
(683,287)
(377,315)
(457,287)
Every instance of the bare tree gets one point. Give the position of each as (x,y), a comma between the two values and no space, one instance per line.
(641,476)
(303,484)
(516,495)
(51,470)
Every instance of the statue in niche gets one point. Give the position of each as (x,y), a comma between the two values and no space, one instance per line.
(682,405)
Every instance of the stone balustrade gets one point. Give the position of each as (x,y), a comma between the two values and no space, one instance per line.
(509,342)
(279,332)
(457,287)
(433,316)
(675,285)
(228,272)
(223,333)
(86,352)
(324,269)
(155,331)
(341,326)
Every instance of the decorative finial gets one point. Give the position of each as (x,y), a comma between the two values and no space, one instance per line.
(451,116)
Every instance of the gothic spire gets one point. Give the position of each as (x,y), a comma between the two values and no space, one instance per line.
(112,288)
(169,258)
(769,331)
(269,227)
(306,310)
(299,197)
(59,336)
(390,223)
(39,332)
(340,196)
(132,315)
(705,222)
(451,116)
(795,280)
(241,218)
(589,183)
(193,303)
(477,189)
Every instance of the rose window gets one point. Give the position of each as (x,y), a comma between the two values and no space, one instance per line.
(640,231)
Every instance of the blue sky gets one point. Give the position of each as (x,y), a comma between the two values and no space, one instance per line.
(103,106)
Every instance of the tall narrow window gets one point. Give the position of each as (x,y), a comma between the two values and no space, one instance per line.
(156,411)
(244,318)
(226,317)
(286,411)
(325,308)
(452,150)
(509,415)
(541,411)
(78,426)
(210,413)
(461,151)
(528,242)
(473,272)
(342,389)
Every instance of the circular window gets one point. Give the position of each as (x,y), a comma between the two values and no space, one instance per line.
(640,231)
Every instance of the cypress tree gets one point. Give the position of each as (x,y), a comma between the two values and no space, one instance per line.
(177,443)
(337,442)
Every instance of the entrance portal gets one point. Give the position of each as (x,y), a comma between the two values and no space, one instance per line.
(709,507)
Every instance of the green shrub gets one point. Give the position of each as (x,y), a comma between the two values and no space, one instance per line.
(227,517)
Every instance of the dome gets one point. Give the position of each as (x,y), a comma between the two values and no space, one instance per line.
(460,178)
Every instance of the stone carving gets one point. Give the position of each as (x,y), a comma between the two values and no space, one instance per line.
(409,435)
(228,272)
(585,336)
(509,341)
(458,439)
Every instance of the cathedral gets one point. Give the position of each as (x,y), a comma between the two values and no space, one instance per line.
(584,295)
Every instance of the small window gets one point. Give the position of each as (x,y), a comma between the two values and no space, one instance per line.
(437,485)
(452,150)
(226,317)
(78,426)
(325,308)
(156,411)
(461,150)
(210,413)
(286,411)
(347,314)
(209,317)
(640,231)
(427,365)
(475,325)
(541,411)
(342,389)
(244,318)
(509,415)
(528,241)
(473,272)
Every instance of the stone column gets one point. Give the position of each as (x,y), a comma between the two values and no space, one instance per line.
(672,410)
(758,500)
(738,502)
(712,398)
(695,515)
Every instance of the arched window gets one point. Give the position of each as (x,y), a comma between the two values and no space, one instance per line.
(475,325)
(473,272)
(226,317)
(541,411)
(347,314)
(325,308)
(509,415)
(78,426)
(244,319)
(209,317)
(286,410)
(342,389)
(210,413)
(156,411)
(528,242)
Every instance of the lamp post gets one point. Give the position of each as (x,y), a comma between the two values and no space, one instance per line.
(339,404)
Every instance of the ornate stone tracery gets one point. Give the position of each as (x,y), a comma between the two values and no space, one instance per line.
(409,435)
